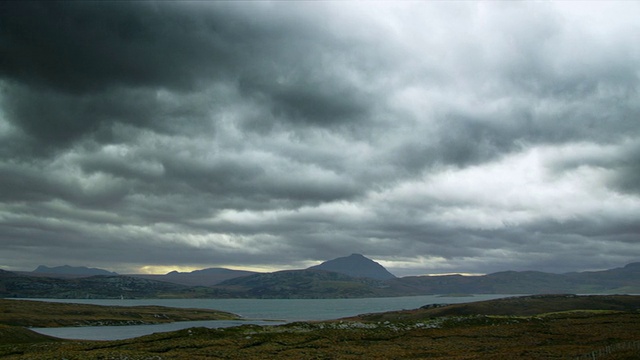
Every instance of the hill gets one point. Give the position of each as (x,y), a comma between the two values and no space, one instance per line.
(470,334)
(48,314)
(514,306)
(20,335)
(204,277)
(357,266)
(317,283)
(71,270)
(620,280)
(300,284)
(99,287)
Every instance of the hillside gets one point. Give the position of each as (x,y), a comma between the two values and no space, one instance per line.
(71,270)
(300,284)
(357,266)
(47,314)
(515,306)
(624,280)
(560,328)
(100,287)
(317,283)
(204,277)
(20,335)
(619,280)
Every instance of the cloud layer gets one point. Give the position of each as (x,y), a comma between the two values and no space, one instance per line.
(432,137)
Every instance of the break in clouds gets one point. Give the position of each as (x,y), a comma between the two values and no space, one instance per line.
(432,137)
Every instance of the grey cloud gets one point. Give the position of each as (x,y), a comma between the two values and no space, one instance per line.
(621,159)
(85,66)
(27,183)
(80,47)
(627,170)
(55,119)
(315,105)
(130,126)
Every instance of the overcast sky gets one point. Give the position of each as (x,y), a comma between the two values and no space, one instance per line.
(432,137)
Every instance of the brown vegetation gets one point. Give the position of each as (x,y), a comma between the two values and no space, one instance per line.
(576,333)
(45,314)
(515,306)
(566,336)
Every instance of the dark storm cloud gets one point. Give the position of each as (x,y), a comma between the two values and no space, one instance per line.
(85,64)
(56,120)
(270,134)
(84,47)
(311,101)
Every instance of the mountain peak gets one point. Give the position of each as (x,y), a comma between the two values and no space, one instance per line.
(355,265)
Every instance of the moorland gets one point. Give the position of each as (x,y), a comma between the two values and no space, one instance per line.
(529,327)
(49,314)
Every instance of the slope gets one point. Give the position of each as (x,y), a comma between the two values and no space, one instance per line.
(355,265)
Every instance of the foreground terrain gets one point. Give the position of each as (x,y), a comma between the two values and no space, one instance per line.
(46,314)
(534,327)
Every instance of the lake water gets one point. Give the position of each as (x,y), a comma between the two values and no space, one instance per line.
(253,311)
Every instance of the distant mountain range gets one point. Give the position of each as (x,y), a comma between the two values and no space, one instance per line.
(350,276)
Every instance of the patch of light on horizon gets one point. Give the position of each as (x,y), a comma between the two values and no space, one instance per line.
(165,269)
(454,273)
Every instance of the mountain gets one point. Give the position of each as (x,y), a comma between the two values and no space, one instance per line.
(72,270)
(319,283)
(96,287)
(300,284)
(623,280)
(620,280)
(357,266)
(204,277)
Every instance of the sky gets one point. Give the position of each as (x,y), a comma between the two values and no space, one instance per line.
(433,137)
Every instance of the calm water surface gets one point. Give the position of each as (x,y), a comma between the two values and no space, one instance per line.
(254,311)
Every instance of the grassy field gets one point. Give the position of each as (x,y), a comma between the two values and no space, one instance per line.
(553,332)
